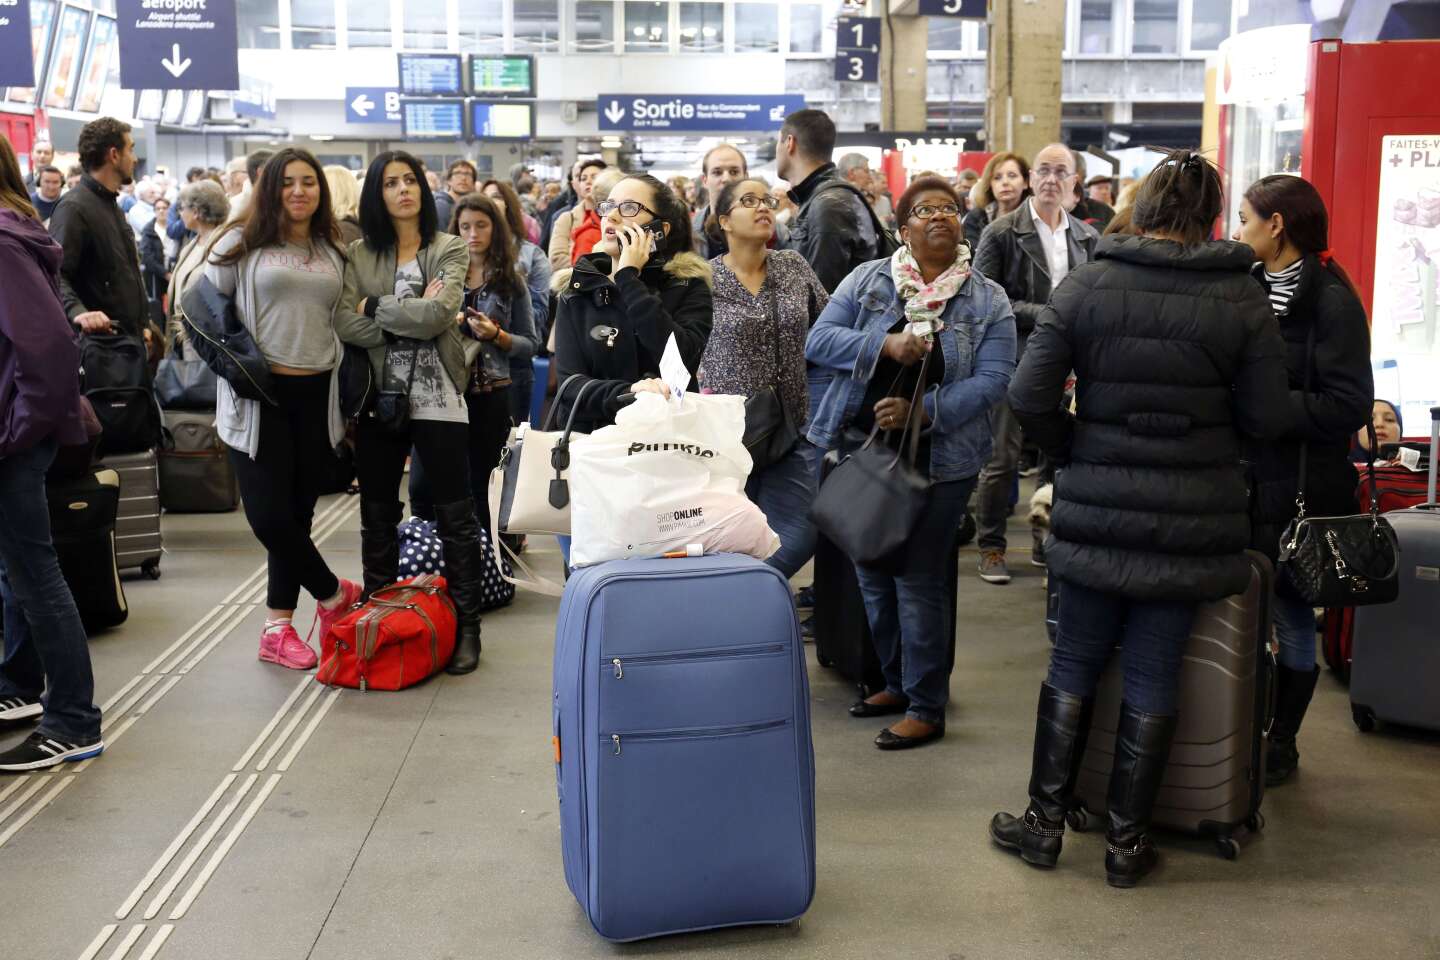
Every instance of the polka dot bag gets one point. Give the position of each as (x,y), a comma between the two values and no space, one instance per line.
(421,553)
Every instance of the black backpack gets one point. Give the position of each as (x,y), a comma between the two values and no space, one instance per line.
(118,386)
(886,242)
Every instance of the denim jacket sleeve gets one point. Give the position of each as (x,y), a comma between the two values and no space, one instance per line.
(836,342)
(954,404)
(522,327)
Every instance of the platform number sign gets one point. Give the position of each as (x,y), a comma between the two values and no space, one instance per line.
(953,8)
(857,49)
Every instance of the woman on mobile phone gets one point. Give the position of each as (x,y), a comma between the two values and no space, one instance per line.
(621,304)
(403,287)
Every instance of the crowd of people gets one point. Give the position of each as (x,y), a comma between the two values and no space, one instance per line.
(1168,379)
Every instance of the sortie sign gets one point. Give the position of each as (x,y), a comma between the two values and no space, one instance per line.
(178,45)
(704,113)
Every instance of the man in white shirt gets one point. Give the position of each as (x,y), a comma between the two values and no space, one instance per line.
(1028,251)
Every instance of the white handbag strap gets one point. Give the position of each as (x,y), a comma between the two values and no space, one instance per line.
(533,581)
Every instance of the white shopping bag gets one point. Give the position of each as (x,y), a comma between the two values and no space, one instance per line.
(663,477)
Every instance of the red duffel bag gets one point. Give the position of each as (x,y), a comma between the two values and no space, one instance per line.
(403,634)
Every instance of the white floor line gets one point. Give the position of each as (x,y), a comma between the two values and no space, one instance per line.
(290,727)
(30,791)
(105,933)
(245,584)
(224,849)
(119,694)
(269,727)
(215,640)
(218,624)
(54,792)
(111,716)
(340,520)
(256,595)
(15,784)
(309,729)
(159,941)
(201,624)
(198,849)
(124,946)
(145,708)
(159,866)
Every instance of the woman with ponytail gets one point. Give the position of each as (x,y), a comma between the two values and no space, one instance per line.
(1327,362)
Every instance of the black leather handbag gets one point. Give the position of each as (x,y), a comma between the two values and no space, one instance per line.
(870,504)
(392,407)
(214,329)
(1350,561)
(183,382)
(770,434)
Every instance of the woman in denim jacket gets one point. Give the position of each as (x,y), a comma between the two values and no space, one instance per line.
(881,321)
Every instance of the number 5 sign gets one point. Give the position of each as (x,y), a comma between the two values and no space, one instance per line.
(857,49)
(953,8)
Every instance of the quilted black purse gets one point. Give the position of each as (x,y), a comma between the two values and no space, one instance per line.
(1350,561)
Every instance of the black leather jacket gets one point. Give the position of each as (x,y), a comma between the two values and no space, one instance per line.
(831,230)
(101,265)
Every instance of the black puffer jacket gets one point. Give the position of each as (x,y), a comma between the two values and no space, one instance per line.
(1342,390)
(616,332)
(1177,354)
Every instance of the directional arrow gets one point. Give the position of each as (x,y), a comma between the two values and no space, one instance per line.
(362,105)
(615,113)
(174,64)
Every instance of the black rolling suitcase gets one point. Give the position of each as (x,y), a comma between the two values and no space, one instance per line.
(82,527)
(842,632)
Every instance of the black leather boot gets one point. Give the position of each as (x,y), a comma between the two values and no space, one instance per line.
(460,540)
(380,542)
(1142,748)
(1062,725)
(1293,690)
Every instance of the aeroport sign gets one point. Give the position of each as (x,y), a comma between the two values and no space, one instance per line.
(684,113)
(17,68)
(178,45)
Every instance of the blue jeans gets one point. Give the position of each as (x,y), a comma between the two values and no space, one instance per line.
(1151,635)
(906,610)
(784,491)
(1295,629)
(47,645)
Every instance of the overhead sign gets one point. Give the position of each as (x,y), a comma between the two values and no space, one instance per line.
(432,119)
(953,8)
(857,66)
(17,64)
(255,98)
(372,105)
(502,76)
(619,111)
(502,119)
(178,45)
(1264,66)
(857,49)
(430,74)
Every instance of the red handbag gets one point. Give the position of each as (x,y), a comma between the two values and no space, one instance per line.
(403,634)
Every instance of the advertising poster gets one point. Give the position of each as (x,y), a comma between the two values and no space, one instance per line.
(98,64)
(1405,347)
(69,51)
(42,23)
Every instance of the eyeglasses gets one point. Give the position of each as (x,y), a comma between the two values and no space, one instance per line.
(927,210)
(750,202)
(628,208)
(1048,173)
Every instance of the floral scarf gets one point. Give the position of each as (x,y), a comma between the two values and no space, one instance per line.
(926,301)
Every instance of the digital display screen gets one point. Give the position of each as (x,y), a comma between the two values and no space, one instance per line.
(502,76)
(69,51)
(102,56)
(432,119)
(430,74)
(502,120)
(42,24)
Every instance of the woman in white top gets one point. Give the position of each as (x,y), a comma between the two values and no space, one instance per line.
(284,269)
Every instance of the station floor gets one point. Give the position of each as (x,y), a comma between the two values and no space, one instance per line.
(243,811)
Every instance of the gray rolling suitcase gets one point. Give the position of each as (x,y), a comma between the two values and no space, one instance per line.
(195,471)
(1216,776)
(137,529)
(1395,667)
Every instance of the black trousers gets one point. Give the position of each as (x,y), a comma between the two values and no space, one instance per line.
(489,426)
(380,459)
(280,486)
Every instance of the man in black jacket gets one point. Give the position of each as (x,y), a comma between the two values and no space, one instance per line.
(1028,252)
(834,229)
(100,283)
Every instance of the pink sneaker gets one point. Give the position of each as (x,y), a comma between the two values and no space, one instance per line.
(283,646)
(325,619)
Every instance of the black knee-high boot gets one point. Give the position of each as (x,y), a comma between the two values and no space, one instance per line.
(460,539)
(1142,749)
(1293,690)
(380,542)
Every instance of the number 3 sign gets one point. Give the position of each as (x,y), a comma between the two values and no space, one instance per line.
(857,49)
(953,8)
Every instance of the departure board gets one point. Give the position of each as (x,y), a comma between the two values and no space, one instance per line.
(502,76)
(432,119)
(502,119)
(430,74)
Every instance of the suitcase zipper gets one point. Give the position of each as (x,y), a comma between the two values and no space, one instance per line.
(727,653)
(701,733)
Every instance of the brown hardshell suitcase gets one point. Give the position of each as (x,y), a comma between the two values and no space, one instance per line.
(1215,780)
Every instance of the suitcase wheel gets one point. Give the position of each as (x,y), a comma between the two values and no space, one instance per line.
(1227,847)
(1364,718)
(151,569)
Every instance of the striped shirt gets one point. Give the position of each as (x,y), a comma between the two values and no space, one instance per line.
(1282,286)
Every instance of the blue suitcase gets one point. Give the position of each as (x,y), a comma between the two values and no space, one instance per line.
(684,769)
